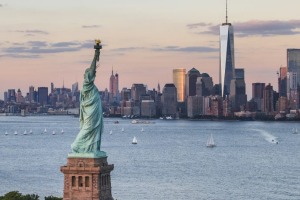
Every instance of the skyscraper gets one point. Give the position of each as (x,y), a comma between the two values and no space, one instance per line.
(237,94)
(226,56)
(293,77)
(169,100)
(114,86)
(258,94)
(191,79)
(43,95)
(179,82)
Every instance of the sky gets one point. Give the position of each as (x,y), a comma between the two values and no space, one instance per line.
(46,41)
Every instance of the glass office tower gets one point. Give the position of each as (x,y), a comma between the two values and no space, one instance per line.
(179,82)
(226,57)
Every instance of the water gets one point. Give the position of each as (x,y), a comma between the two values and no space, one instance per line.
(170,160)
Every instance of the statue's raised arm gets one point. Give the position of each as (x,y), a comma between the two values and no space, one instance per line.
(88,140)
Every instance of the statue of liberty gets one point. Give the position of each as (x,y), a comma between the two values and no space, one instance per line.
(88,140)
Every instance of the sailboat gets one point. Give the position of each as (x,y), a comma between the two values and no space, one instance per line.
(122,129)
(30,131)
(110,132)
(142,130)
(295,131)
(62,131)
(134,141)
(210,142)
(25,132)
(16,133)
(53,133)
(45,131)
(6,133)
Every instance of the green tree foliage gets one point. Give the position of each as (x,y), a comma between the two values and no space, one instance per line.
(52,198)
(15,195)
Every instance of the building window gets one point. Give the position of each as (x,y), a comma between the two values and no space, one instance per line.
(87,181)
(80,181)
(73,181)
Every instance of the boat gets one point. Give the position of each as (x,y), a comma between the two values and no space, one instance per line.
(62,131)
(134,141)
(45,131)
(295,131)
(25,132)
(142,130)
(30,132)
(110,132)
(16,133)
(6,133)
(53,133)
(210,142)
(122,129)
(116,122)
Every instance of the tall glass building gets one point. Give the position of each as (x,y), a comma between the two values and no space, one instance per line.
(226,56)
(179,82)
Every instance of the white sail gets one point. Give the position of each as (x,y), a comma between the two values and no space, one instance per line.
(16,133)
(25,132)
(110,132)
(30,131)
(134,141)
(53,133)
(210,142)
(6,133)
(45,131)
(142,130)
(122,129)
(62,131)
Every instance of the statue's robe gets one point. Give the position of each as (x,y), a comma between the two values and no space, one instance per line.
(91,120)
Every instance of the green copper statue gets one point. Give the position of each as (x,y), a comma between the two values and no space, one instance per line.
(88,140)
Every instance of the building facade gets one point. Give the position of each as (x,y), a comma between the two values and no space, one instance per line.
(179,82)
(226,57)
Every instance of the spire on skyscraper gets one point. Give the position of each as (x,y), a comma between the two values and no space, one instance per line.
(226,13)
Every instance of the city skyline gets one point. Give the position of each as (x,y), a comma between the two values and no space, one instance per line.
(46,42)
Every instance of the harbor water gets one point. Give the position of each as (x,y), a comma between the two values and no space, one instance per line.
(252,160)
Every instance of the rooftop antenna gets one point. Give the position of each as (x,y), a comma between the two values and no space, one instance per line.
(226,13)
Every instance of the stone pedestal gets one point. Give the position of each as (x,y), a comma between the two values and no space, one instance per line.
(87,179)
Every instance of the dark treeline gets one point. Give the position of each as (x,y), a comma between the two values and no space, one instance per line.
(15,195)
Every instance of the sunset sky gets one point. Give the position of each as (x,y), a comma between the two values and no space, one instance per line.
(46,41)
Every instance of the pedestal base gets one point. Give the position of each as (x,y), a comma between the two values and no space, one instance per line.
(87,179)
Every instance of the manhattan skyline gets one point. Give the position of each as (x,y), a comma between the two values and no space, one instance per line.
(44,42)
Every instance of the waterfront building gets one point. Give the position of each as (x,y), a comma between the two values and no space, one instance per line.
(148,108)
(19,97)
(292,90)
(169,100)
(32,95)
(5,97)
(258,94)
(191,79)
(179,82)
(227,72)
(204,85)
(125,94)
(11,95)
(43,95)
(137,90)
(195,106)
(268,99)
(238,95)
(282,82)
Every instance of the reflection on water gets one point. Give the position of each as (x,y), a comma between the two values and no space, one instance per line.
(170,160)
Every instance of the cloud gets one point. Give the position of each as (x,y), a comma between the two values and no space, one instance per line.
(32,32)
(253,28)
(31,49)
(190,49)
(192,26)
(128,49)
(91,26)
